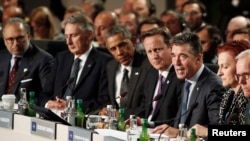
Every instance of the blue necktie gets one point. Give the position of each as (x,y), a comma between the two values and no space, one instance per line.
(184,102)
(73,75)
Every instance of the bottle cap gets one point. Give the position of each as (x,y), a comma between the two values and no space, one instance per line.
(32,93)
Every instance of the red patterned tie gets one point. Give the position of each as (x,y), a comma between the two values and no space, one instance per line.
(12,75)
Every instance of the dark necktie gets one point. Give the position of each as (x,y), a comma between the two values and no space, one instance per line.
(12,76)
(160,82)
(124,88)
(184,102)
(73,75)
(247,113)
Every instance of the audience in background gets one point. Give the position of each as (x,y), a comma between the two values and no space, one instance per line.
(242,34)
(147,24)
(233,104)
(144,8)
(235,23)
(210,37)
(45,25)
(173,20)
(72,10)
(103,22)
(194,12)
(92,8)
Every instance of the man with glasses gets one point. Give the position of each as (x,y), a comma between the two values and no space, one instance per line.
(194,12)
(22,64)
(243,76)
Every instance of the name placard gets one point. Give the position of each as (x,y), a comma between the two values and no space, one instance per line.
(43,128)
(6,119)
(79,134)
(108,138)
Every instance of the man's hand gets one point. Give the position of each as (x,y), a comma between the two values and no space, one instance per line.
(59,104)
(169,131)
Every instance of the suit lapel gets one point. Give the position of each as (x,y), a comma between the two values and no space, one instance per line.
(89,64)
(166,85)
(134,77)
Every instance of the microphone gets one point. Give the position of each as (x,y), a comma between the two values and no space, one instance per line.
(93,111)
(156,98)
(68,82)
(191,108)
(172,120)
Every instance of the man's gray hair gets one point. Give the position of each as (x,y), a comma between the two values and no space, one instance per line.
(243,54)
(82,20)
(15,20)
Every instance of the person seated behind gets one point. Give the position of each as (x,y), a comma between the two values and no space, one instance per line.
(202,91)
(241,34)
(233,104)
(82,69)
(210,38)
(45,25)
(174,21)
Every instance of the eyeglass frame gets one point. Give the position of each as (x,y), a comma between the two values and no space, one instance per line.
(244,76)
(19,39)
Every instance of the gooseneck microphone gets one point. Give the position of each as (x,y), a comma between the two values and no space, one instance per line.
(59,91)
(172,120)
(93,111)
(175,118)
(156,98)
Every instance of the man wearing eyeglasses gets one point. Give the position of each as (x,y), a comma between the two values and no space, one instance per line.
(194,13)
(243,76)
(23,65)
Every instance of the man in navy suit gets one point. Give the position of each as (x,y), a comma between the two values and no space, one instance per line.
(119,42)
(205,91)
(34,66)
(91,83)
(157,46)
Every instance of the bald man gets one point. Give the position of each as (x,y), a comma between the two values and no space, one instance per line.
(103,21)
(234,24)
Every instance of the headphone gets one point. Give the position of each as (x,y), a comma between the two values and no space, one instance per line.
(151,7)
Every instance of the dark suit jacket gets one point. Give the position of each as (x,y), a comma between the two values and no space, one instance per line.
(140,67)
(92,86)
(39,64)
(208,94)
(168,105)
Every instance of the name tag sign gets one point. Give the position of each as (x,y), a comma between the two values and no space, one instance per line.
(43,128)
(109,138)
(6,119)
(79,134)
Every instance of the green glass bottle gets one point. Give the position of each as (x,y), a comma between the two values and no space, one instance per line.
(80,114)
(31,112)
(144,136)
(193,135)
(121,121)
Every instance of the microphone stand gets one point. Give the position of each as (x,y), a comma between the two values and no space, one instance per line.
(174,119)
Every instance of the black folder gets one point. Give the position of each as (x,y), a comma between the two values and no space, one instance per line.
(47,114)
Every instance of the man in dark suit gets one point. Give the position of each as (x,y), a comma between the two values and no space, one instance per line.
(119,42)
(90,83)
(157,46)
(33,66)
(204,94)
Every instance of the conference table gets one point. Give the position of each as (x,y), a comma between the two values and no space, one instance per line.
(15,127)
